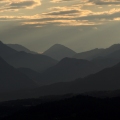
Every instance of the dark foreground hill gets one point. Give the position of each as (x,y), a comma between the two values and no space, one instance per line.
(59,52)
(75,108)
(17,59)
(11,79)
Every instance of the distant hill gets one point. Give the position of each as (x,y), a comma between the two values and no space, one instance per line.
(115,55)
(105,80)
(68,69)
(110,50)
(12,80)
(19,48)
(59,52)
(105,62)
(97,53)
(17,59)
(88,55)
(6,51)
(109,58)
(35,62)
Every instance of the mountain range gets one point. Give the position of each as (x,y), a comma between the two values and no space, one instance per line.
(17,59)
(11,79)
(68,69)
(69,75)
(107,79)
(19,48)
(59,52)
(97,53)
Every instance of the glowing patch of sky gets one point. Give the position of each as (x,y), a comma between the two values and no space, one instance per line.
(69,22)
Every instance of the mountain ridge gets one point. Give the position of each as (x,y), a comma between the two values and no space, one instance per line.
(19,48)
(17,59)
(11,79)
(59,51)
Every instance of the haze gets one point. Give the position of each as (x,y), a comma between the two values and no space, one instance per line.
(78,24)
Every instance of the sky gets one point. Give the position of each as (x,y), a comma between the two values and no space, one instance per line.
(78,24)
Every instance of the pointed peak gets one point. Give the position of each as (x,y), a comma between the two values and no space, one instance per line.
(59,52)
(59,47)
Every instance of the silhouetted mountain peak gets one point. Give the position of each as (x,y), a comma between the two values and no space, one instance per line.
(58,45)
(59,52)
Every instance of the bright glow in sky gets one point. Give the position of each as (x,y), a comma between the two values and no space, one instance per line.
(78,24)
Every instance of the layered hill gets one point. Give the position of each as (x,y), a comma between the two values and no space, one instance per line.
(6,51)
(12,80)
(36,62)
(59,52)
(17,59)
(88,55)
(97,53)
(105,80)
(19,48)
(30,73)
(68,69)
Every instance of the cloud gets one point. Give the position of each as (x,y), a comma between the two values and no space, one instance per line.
(91,2)
(65,15)
(105,2)
(13,5)
(58,1)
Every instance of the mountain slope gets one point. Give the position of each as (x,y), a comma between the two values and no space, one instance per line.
(11,79)
(88,55)
(107,79)
(36,62)
(68,69)
(30,73)
(6,51)
(19,48)
(17,59)
(97,53)
(110,50)
(59,52)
